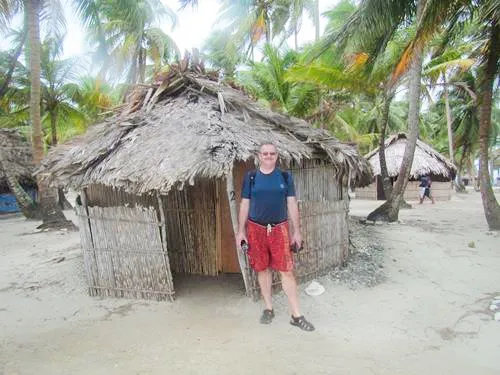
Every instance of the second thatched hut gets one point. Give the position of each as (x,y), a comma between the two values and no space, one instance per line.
(426,161)
(160,183)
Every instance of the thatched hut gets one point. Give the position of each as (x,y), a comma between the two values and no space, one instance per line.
(426,161)
(160,184)
(16,163)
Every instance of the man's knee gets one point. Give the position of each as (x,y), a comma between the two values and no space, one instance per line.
(289,275)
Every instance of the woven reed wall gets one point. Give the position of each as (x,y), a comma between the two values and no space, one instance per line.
(367,192)
(440,190)
(123,254)
(190,218)
(191,229)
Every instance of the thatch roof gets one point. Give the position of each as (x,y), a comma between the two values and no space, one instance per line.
(426,159)
(187,126)
(16,155)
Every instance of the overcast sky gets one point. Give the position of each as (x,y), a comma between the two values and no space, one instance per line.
(193,27)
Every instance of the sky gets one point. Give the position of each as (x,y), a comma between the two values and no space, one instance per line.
(193,27)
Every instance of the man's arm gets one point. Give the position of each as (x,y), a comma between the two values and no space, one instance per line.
(242,221)
(293,214)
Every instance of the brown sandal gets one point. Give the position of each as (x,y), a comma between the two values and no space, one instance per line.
(302,323)
(267,316)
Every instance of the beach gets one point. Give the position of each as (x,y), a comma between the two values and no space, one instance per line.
(430,315)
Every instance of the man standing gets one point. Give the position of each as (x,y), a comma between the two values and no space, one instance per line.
(268,203)
(425,188)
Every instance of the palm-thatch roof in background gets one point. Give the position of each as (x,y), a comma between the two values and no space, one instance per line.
(185,126)
(17,157)
(426,159)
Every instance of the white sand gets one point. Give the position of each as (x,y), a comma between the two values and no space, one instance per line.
(430,317)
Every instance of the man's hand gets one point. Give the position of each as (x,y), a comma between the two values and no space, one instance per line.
(297,239)
(240,236)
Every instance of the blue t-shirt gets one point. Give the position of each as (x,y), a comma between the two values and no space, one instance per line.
(268,194)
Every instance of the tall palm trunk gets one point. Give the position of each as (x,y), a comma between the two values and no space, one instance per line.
(295,37)
(386,180)
(459,186)
(52,215)
(316,20)
(448,120)
(490,68)
(389,211)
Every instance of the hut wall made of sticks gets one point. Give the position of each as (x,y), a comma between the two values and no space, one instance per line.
(198,232)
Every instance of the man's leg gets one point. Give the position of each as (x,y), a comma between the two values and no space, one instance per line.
(265,279)
(290,288)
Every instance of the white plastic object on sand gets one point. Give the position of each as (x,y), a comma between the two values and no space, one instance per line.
(315,289)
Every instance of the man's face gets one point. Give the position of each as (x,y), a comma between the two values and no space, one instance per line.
(268,155)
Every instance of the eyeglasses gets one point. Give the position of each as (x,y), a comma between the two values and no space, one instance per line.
(268,153)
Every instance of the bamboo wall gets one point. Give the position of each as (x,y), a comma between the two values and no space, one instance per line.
(190,219)
(123,254)
(440,190)
(191,229)
(323,205)
(368,192)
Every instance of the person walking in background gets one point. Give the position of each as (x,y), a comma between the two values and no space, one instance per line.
(425,188)
(268,202)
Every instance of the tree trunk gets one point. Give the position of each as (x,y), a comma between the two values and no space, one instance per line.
(295,38)
(389,211)
(448,120)
(142,65)
(459,185)
(52,216)
(490,68)
(457,182)
(386,180)
(316,20)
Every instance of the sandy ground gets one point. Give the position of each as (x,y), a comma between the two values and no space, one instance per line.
(431,315)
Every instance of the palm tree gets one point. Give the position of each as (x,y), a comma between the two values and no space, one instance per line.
(222,53)
(250,22)
(486,15)
(129,34)
(266,79)
(294,11)
(52,215)
(36,11)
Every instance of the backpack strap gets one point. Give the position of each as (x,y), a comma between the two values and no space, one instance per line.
(285,175)
(253,173)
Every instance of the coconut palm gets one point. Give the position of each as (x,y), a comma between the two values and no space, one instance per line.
(37,11)
(453,15)
(266,79)
(221,52)
(293,13)
(129,35)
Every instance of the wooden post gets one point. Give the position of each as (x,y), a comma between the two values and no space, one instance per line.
(166,261)
(218,228)
(242,259)
(83,196)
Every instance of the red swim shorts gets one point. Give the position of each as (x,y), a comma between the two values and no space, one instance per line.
(269,247)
